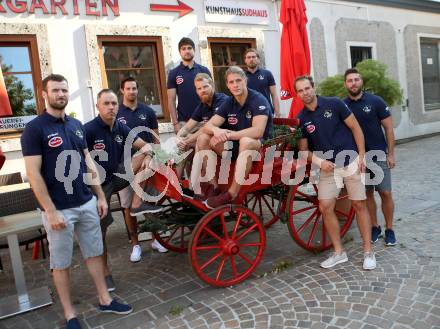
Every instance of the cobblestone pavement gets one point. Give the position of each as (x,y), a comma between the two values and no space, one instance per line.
(403,292)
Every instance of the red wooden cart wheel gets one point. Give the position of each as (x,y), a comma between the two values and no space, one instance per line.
(228,256)
(305,221)
(266,207)
(178,235)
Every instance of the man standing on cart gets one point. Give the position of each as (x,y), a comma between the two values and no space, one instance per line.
(330,130)
(373,114)
(245,119)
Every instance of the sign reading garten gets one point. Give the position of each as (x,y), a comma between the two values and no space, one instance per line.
(238,12)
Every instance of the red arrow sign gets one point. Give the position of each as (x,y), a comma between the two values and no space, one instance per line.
(181,8)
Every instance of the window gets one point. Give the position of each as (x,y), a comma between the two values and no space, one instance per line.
(21,77)
(430,56)
(360,51)
(140,58)
(224,53)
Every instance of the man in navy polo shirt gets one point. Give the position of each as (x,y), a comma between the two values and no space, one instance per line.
(246,120)
(210,101)
(137,114)
(107,135)
(373,114)
(181,84)
(330,130)
(261,80)
(55,153)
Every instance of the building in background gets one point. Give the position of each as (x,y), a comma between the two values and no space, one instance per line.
(95,43)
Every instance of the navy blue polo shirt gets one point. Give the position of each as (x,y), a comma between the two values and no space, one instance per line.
(204,112)
(101,138)
(370,110)
(48,136)
(261,81)
(181,78)
(142,115)
(239,117)
(325,128)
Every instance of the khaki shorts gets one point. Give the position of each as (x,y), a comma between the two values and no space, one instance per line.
(83,223)
(331,183)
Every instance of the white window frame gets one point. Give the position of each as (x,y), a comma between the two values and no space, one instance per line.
(419,50)
(350,44)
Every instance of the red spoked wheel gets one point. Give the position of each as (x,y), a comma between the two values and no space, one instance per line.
(223,252)
(305,221)
(177,235)
(265,206)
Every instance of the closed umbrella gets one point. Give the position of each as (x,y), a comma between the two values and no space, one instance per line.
(295,52)
(5,106)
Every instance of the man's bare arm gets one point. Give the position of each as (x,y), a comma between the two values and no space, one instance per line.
(387,124)
(39,187)
(275,100)
(172,94)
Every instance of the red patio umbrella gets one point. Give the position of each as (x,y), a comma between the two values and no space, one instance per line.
(5,106)
(295,53)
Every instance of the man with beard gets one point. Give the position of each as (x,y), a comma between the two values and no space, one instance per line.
(246,121)
(209,103)
(136,114)
(181,84)
(69,207)
(330,130)
(373,114)
(261,80)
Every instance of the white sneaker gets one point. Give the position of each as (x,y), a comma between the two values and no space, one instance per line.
(136,254)
(369,261)
(158,247)
(335,259)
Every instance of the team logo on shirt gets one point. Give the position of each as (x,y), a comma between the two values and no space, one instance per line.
(232,119)
(79,133)
(205,119)
(248,115)
(261,77)
(122,120)
(143,117)
(99,146)
(215,110)
(119,139)
(367,109)
(261,107)
(179,80)
(328,114)
(55,141)
(310,128)
(387,109)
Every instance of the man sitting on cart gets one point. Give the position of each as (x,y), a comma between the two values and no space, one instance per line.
(245,119)
(210,101)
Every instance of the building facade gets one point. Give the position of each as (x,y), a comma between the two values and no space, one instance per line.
(95,43)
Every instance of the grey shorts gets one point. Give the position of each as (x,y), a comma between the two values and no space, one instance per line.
(383,185)
(115,185)
(83,221)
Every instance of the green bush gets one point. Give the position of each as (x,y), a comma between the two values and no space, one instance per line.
(375,82)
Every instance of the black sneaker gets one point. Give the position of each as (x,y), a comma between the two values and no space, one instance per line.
(73,323)
(376,233)
(146,208)
(110,283)
(116,307)
(390,238)
(188,193)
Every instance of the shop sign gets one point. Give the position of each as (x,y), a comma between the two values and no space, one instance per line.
(69,7)
(15,122)
(238,12)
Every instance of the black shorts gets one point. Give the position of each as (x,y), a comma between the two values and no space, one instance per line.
(114,185)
